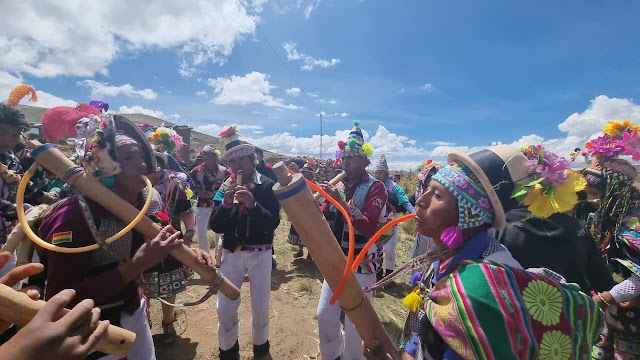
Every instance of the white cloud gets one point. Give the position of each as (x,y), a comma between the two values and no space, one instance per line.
(580,127)
(252,88)
(388,143)
(201,32)
(201,93)
(344,114)
(294,125)
(309,62)
(325,101)
(382,141)
(45,100)
(402,91)
(312,5)
(137,109)
(100,89)
(313,95)
(243,129)
(428,87)
(293,91)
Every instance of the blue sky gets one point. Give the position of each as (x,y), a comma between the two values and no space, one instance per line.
(423,76)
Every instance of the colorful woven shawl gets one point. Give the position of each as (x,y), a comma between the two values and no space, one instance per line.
(487,310)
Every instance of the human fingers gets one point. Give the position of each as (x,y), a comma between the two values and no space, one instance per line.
(87,327)
(98,333)
(32,291)
(80,313)
(21,272)
(54,305)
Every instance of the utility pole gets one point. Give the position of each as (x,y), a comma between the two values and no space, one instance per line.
(320,135)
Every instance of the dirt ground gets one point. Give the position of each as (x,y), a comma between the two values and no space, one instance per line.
(295,289)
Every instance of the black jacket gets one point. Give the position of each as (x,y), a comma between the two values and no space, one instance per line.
(560,243)
(256,226)
(266,171)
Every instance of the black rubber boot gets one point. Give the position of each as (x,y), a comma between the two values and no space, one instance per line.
(231,354)
(261,352)
(379,275)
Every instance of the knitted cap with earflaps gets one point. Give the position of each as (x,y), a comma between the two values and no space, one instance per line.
(355,145)
(382,164)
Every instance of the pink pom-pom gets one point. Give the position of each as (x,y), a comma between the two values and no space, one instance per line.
(452,236)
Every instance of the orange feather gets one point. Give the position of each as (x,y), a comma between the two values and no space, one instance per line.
(20,92)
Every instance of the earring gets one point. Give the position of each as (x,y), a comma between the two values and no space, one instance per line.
(452,236)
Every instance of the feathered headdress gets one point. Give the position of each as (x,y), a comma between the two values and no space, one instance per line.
(19,92)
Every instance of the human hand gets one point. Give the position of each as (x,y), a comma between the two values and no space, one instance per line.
(205,258)
(246,197)
(375,352)
(48,198)
(331,190)
(69,337)
(156,249)
(15,276)
(229,194)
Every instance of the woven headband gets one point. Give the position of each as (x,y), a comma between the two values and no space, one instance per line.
(474,206)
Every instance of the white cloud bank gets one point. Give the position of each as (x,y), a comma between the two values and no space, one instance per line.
(61,39)
(253,88)
(100,89)
(137,109)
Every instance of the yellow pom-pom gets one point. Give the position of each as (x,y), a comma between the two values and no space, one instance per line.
(413,301)
(367,149)
(189,193)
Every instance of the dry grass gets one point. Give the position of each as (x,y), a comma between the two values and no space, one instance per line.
(306,285)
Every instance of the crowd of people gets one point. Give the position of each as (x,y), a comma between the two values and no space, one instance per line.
(517,256)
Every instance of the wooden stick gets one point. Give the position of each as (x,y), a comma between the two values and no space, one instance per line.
(18,308)
(336,179)
(239,182)
(52,159)
(297,201)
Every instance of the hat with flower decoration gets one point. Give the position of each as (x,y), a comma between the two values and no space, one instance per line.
(97,135)
(355,145)
(164,139)
(233,146)
(492,181)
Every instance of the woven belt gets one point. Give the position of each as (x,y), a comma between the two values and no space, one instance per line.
(250,248)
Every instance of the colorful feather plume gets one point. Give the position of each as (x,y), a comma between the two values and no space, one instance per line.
(60,121)
(20,92)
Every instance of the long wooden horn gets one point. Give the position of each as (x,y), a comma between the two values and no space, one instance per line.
(296,199)
(16,307)
(52,159)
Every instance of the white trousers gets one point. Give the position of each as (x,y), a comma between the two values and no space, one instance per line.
(203,214)
(257,265)
(333,341)
(390,250)
(142,348)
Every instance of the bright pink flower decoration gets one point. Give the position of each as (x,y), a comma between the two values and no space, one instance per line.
(632,145)
(605,145)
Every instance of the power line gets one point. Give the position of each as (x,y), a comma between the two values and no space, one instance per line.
(279,58)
